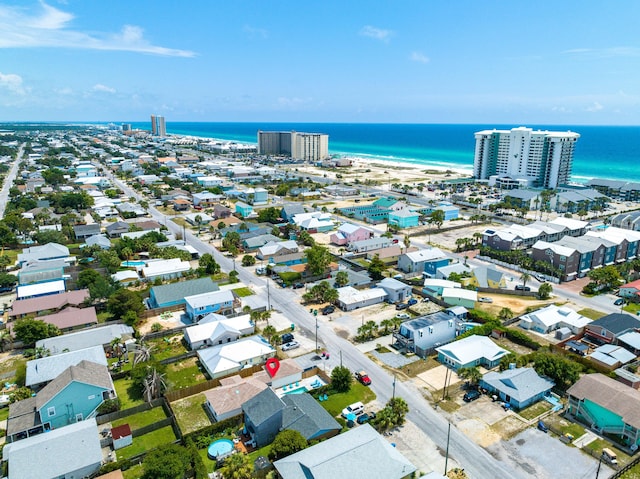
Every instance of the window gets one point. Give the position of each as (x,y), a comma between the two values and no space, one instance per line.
(51,411)
(93,396)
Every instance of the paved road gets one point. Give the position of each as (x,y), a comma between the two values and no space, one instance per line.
(8,181)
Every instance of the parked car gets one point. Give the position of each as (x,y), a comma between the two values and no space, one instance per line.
(542,426)
(366,417)
(356,408)
(618,302)
(521,287)
(290,345)
(363,377)
(401,306)
(287,338)
(328,309)
(412,301)
(471,395)
(297,285)
(403,316)
(485,299)
(540,278)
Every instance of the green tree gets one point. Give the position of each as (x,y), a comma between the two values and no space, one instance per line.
(318,259)
(544,291)
(7,280)
(248,260)
(287,442)
(436,218)
(341,379)
(471,374)
(168,461)
(53,176)
(321,293)
(269,215)
(125,304)
(237,467)
(342,278)
(562,371)
(376,268)
(208,265)
(525,277)
(232,242)
(505,313)
(109,260)
(31,330)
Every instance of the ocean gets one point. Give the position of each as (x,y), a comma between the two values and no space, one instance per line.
(601,152)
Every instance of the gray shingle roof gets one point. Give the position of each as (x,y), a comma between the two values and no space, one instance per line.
(520,383)
(617,322)
(304,414)
(262,406)
(50,367)
(85,372)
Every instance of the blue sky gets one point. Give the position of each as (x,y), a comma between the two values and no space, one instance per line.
(414,61)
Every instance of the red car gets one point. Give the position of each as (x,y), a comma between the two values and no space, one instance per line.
(363,377)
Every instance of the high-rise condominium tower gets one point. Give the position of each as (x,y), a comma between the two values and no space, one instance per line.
(300,146)
(543,158)
(158,127)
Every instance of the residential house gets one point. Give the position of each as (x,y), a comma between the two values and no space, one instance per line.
(630,290)
(131,210)
(71,451)
(435,287)
(527,199)
(225,401)
(204,199)
(341,190)
(397,291)
(350,454)
(51,303)
(200,305)
(550,318)
(115,230)
(404,218)
(84,231)
(49,251)
(422,335)
(164,269)
(174,294)
(290,210)
(454,268)
(88,338)
(607,329)
(629,220)
(221,211)
(607,406)
(273,250)
(631,341)
(254,242)
(210,181)
(266,414)
(289,372)
(611,356)
(197,219)
(73,396)
(520,387)
(100,240)
(244,210)
(41,271)
(486,277)
(512,238)
(70,318)
(371,244)
(218,330)
(356,279)
(316,221)
(350,298)
(390,254)
(460,297)
(43,370)
(228,358)
(32,291)
(471,351)
(181,204)
(423,261)
(564,258)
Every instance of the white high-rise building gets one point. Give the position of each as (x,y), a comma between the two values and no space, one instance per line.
(537,158)
(158,126)
(300,146)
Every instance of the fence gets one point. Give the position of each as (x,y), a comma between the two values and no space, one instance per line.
(517,268)
(112,416)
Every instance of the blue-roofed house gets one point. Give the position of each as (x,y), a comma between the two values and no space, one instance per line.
(173,294)
(266,414)
(397,291)
(290,210)
(520,387)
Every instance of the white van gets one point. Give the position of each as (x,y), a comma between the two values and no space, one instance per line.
(356,408)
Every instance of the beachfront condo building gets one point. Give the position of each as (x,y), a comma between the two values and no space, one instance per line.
(297,145)
(523,157)
(158,126)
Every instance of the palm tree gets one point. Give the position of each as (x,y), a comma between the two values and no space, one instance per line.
(142,354)
(269,332)
(5,339)
(524,277)
(472,374)
(386,324)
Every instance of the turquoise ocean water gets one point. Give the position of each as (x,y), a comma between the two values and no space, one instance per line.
(601,152)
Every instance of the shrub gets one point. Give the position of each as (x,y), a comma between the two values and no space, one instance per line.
(109,406)
(156,327)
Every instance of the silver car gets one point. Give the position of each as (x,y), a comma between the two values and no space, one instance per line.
(290,345)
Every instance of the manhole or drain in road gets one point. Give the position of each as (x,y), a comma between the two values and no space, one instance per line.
(520,442)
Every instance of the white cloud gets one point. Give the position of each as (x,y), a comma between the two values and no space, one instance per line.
(595,106)
(377,33)
(50,28)
(253,32)
(293,101)
(419,57)
(12,82)
(103,88)
(624,52)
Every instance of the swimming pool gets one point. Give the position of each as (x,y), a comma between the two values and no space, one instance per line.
(127,264)
(219,448)
(299,390)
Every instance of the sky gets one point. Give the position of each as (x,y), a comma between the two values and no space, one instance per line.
(361,61)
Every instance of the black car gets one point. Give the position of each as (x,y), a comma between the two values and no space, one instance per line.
(618,302)
(287,338)
(400,306)
(520,287)
(366,417)
(328,309)
(471,396)
(297,285)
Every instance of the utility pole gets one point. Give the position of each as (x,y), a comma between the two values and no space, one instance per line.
(268,296)
(393,395)
(446,456)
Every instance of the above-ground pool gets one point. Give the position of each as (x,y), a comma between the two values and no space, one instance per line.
(299,390)
(127,264)
(219,448)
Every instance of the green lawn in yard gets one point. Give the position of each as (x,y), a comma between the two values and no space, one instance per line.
(167,347)
(4,413)
(134,472)
(633,473)
(263,451)
(535,410)
(9,367)
(242,292)
(147,442)
(141,419)
(122,389)
(338,401)
(632,308)
(208,463)
(591,313)
(184,373)
(190,413)
(575,430)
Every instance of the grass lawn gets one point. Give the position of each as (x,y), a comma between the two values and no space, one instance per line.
(147,442)
(167,347)
(576,430)
(632,308)
(263,451)
(208,463)
(122,389)
(242,292)
(4,413)
(190,413)
(136,421)
(10,366)
(417,367)
(338,401)
(535,410)
(591,313)
(184,373)
(134,472)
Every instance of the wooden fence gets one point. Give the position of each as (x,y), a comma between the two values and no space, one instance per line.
(112,416)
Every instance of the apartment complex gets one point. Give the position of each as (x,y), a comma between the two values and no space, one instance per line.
(297,145)
(158,126)
(523,157)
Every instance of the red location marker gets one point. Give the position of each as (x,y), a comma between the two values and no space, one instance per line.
(272,365)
